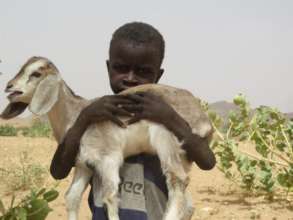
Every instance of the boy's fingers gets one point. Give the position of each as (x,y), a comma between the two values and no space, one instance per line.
(117,121)
(136,98)
(133,108)
(116,110)
(133,120)
(122,100)
(122,112)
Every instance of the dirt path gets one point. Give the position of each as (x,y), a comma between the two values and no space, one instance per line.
(214,196)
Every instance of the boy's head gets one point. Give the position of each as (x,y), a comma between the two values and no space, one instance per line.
(135,56)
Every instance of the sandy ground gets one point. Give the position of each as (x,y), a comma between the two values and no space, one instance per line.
(214,196)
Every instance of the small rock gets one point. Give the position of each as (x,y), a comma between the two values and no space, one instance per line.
(209,210)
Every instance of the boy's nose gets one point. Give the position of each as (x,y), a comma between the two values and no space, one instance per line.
(130,80)
(131,76)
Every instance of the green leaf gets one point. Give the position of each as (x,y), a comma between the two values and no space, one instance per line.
(239,100)
(21,214)
(51,195)
(253,163)
(282,179)
(37,209)
(41,191)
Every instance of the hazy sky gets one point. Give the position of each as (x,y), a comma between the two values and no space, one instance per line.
(214,48)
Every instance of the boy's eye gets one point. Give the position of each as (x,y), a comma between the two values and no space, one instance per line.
(122,68)
(142,71)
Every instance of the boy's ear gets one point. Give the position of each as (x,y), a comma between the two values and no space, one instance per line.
(160,73)
(108,65)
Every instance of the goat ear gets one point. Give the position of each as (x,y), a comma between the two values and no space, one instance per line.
(45,96)
(13,109)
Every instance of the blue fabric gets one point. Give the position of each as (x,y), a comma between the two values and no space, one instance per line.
(152,172)
(124,214)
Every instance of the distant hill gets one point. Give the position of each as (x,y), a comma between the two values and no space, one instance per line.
(289,115)
(223,108)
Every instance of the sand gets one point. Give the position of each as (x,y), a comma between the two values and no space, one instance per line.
(214,196)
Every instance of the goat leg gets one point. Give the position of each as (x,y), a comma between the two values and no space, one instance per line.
(73,196)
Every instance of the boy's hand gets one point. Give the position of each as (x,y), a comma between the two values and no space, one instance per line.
(197,149)
(65,155)
(148,106)
(154,108)
(106,108)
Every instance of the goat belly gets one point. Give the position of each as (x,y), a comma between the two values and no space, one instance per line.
(137,139)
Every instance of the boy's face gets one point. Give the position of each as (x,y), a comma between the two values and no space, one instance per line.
(133,64)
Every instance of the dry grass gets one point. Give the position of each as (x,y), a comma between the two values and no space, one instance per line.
(24,174)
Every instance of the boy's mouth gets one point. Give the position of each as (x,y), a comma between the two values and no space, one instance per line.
(128,84)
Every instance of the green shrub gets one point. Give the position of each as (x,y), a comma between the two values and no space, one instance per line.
(38,129)
(255,150)
(8,130)
(34,206)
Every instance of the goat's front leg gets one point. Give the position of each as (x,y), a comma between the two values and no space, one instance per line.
(108,170)
(73,196)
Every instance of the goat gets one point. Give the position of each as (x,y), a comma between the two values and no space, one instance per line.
(39,86)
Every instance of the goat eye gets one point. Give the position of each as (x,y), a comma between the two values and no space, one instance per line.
(36,74)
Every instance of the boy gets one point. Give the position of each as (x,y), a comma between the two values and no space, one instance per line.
(135,57)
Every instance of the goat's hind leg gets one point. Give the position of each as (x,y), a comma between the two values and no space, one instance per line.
(168,149)
(73,196)
(178,204)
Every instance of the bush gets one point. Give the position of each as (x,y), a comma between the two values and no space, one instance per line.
(255,149)
(8,130)
(38,129)
(34,206)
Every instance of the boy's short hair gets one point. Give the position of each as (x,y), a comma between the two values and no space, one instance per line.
(140,33)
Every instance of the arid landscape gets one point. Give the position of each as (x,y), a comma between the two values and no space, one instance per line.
(214,196)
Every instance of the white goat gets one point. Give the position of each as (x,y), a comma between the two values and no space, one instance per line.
(105,145)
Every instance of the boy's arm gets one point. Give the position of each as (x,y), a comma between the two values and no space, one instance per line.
(197,148)
(152,107)
(102,109)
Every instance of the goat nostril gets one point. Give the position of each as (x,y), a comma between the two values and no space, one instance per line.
(9,86)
